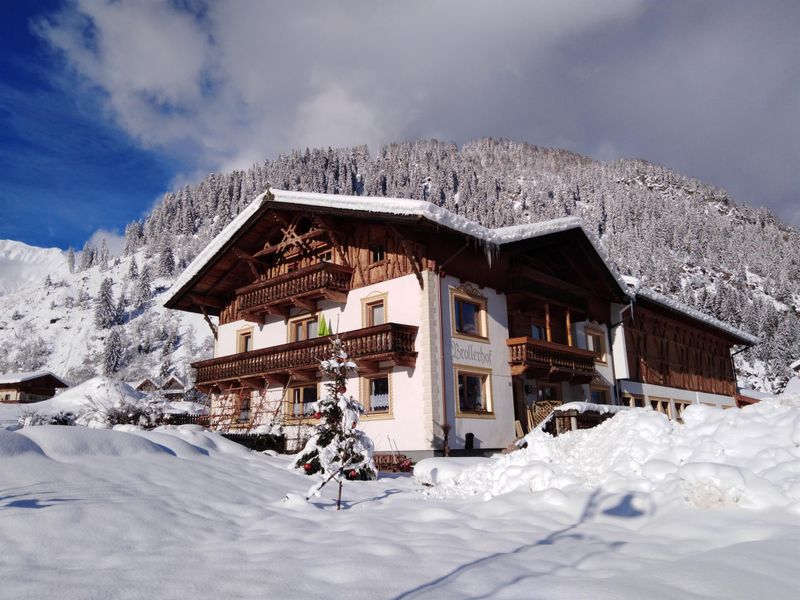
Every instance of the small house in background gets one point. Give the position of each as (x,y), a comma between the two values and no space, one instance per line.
(33,386)
(172,388)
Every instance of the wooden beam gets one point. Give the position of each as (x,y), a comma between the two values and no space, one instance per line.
(368,366)
(214,330)
(324,223)
(256,383)
(569,327)
(409,253)
(294,240)
(277,379)
(547,321)
(251,262)
(555,282)
(303,376)
(306,304)
(208,301)
(335,296)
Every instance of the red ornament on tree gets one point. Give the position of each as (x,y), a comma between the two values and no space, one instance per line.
(353,474)
(307,467)
(342,389)
(317,415)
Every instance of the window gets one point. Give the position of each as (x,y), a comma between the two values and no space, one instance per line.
(378,253)
(373,309)
(660,405)
(599,395)
(326,256)
(375,313)
(377,395)
(680,405)
(538,332)
(635,401)
(304,328)
(304,401)
(595,342)
(469,316)
(473,393)
(548,392)
(244,406)
(245,342)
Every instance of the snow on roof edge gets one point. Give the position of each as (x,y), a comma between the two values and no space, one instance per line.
(795,364)
(680,307)
(27,376)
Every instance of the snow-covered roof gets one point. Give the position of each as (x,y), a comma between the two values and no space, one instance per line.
(492,238)
(28,376)
(679,307)
(795,365)
(387,206)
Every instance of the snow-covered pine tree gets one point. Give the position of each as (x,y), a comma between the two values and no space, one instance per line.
(143,291)
(105,313)
(87,256)
(166,262)
(338,450)
(104,255)
(133,270)
(113,352)
(71,260)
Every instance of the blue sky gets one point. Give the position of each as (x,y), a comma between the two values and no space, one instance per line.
(105,105)
(66,170)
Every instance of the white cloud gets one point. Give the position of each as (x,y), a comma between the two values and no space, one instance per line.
(702,88)
(114,241)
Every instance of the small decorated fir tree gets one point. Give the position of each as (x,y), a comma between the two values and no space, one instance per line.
(338,450)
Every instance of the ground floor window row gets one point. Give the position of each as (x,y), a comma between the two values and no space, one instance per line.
(668,406)
(374,393)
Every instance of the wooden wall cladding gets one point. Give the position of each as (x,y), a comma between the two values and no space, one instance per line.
(664,351)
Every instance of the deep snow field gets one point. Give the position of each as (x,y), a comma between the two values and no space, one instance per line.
(638,508)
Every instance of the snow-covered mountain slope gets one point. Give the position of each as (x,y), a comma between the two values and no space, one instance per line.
(21,264)
(52,325)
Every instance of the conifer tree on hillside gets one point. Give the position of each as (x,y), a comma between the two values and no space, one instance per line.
(103,255)
(133,270)
(338,450)
(143,291)
(166,262)
(87,256)
(113,352)
(105,313)
(71,260)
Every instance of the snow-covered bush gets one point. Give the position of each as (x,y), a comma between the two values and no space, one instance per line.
(338,449)
(145,413)
(33,418)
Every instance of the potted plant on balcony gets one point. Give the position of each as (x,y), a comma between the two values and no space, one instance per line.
(338,450)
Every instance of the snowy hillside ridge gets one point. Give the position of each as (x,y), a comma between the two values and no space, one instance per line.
(21,264)
(69,322)
(747,457)
(490,238)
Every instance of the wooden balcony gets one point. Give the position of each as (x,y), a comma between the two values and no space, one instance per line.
(298,289)
(299,361)
(550,361)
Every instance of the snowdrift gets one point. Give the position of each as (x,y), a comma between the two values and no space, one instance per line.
(748,458)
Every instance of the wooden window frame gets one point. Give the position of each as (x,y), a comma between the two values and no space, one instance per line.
(482,317)
(602,356)
(486,377)
(367,302)
(290,416)
(660,404)
(306,318)
(365,395)
(240,336)
(633,399)
(240,402)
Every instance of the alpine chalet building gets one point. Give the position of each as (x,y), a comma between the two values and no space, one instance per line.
(463,335)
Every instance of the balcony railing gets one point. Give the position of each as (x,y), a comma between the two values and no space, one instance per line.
(388,342)
(322,280)
(550,361)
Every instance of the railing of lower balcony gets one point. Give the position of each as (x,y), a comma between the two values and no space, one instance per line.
(547,357)
(321,276)
(389,341)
